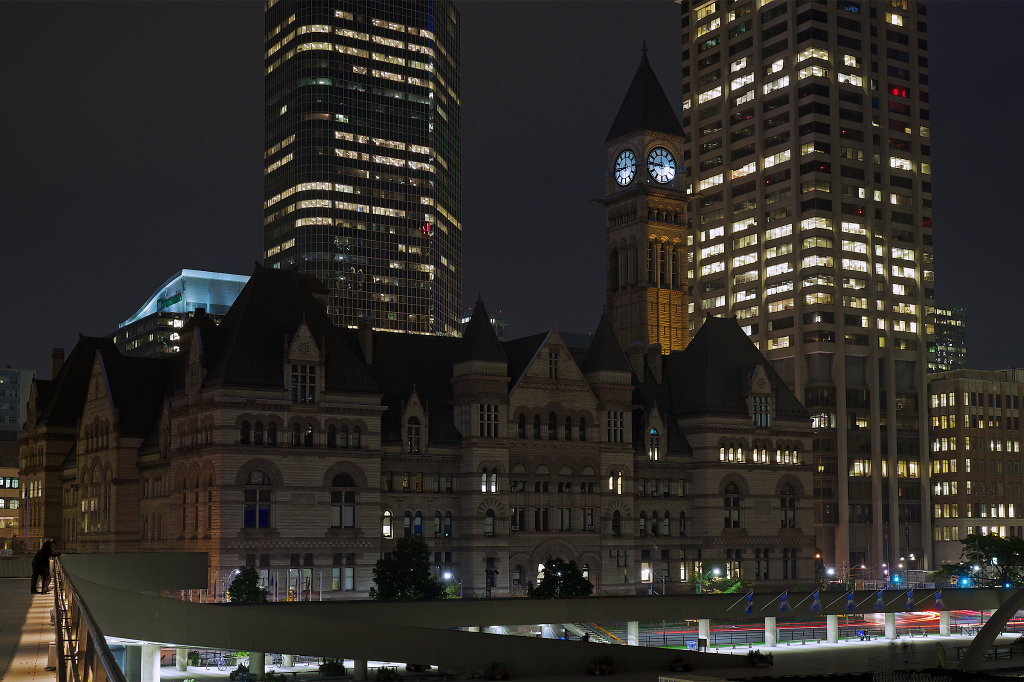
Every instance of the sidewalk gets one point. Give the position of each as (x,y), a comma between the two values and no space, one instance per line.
(25,632)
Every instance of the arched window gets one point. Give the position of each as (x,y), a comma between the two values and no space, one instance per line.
(343,501)
(536,427)
(344,437)
(521,432)
(256,513)
(257,434)
(568,428)
(616,522)
(552,426)
(583,428)
(296,435)
(682,523)
(412,435)
(642,526)
(407,524)
(332,436)
(243,433)
(489,523)
(272,434)
(357,437)
(732,506)
(307,436)
(653,445)
(437,524)
(417,524)
(787,503)
(447,524)
(654,524)
(494,480)
(483,481)
(385,524)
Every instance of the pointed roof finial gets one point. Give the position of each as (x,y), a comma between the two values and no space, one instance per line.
(643,50)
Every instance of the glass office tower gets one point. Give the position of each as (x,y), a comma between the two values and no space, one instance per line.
(363,159)
(810,152)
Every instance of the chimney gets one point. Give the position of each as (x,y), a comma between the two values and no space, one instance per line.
(366,339)
(56,362)
(654,361)
(636,359)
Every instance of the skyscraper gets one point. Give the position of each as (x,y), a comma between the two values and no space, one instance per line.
(810,151)
(950,327)
(362,158)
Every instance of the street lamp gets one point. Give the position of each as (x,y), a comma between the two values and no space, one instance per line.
(714,571)
(448,577)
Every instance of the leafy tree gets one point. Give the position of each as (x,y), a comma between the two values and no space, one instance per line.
(405,574)
(1001,560)
(561,579)
(245,588)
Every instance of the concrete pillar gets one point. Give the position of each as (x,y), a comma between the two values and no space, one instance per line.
(704,630)
(287,661)
(944,623)
(358,669)
(257,664)
(890,626)
(633,633)
(150,667)
(771,635)
(181,660)
(832,629)
(133,663)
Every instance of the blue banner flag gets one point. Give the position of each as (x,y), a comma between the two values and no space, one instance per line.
(879,604)
(750,604)
(816,602)
(910,600)
(939,606)
(784,602)
(849,602)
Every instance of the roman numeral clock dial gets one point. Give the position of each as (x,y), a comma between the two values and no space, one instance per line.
(661,165)
(625,168)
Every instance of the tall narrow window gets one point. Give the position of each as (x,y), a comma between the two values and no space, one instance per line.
(568,428)
(653,445)
(412,435)
(344,437)
(257,434)
(437,524)
(521,430)
(343,501)
(616,523)
(385,524)
(296,435)
(682,524)
(583,428)
(732,506)
(417,524)
(494,480)
(536,427)
(552,426)
(552,365)
(272,434)
(447,524)
(307,436)
(332,436)
(787,503)
(407,524)
(256,512)
(243,433)
(357,437)
(303,383)
(489,523)
(488,422)
(760,411)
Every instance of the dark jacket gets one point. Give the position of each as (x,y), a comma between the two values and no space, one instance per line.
(41,561)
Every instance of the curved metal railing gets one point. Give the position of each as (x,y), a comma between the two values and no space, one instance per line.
(82,651)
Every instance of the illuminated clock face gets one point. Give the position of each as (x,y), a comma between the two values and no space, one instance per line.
(625,168)
(661,165)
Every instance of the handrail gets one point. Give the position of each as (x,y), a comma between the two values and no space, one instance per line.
(82,649)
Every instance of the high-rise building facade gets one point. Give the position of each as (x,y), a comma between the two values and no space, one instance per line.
(810,151)
(950,327)
(975,463)
(363,156)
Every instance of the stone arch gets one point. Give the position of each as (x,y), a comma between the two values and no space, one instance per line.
(272,471)
(565,470)
(740,481)
(542,470)
(491,503)
(588,471)
(350,468)
(518,468)
(789,479)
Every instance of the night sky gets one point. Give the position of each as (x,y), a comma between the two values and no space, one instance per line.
(133,132)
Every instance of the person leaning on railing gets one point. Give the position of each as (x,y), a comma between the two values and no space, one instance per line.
(41,566)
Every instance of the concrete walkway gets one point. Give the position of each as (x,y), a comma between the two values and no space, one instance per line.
(25,632)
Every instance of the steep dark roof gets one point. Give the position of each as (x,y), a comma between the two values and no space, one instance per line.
(712,374)
(645,106)
(249,345)
(480,342)
(66,391)
(519,353)
(651,394)
(138,387)
(604,353)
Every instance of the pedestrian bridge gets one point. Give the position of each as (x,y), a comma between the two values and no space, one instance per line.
(118,595)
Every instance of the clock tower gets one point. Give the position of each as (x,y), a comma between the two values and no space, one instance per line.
(645,210)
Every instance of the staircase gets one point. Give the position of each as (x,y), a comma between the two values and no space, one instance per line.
(596,634)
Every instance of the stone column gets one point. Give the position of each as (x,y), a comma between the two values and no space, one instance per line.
(704,630)
(257,664)
(832,629)
(358,669)
(133,663)
(633,633)
(287,661)
(890,626)
(771,635)
(150,667)
(944,623)
(181,659)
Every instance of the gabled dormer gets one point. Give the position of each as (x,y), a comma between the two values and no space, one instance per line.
(760,397)
(655,436)
(480,379)
(415,424)
(304,366)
